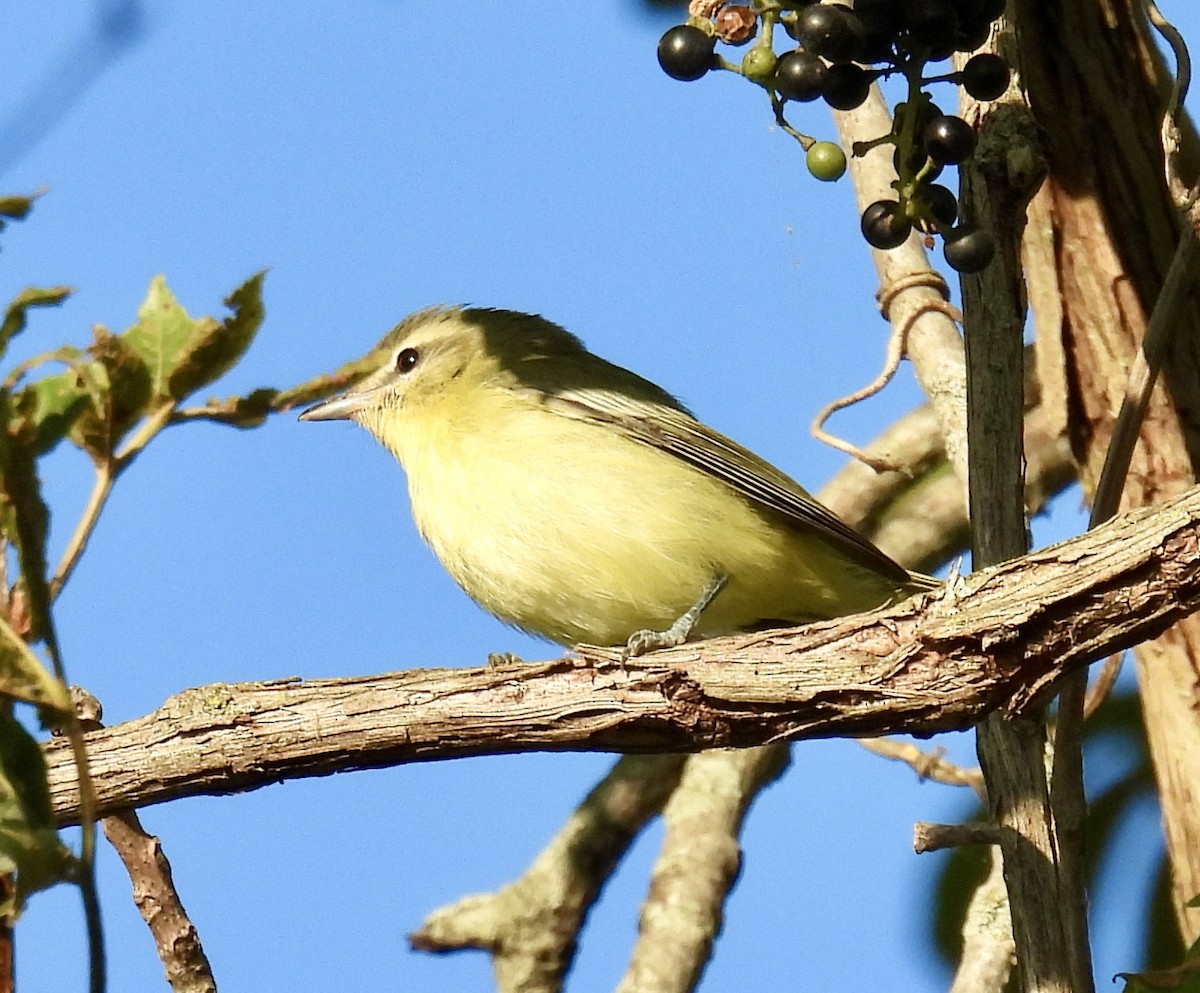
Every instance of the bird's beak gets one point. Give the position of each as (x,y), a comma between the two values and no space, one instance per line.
(339,408)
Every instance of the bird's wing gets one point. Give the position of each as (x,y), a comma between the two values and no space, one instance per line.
(673,430)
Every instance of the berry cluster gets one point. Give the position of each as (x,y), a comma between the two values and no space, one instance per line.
(839,51)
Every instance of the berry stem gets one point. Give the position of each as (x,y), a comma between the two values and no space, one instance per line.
(806,141)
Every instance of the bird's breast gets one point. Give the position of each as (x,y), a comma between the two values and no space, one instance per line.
(577,532)
(565,528)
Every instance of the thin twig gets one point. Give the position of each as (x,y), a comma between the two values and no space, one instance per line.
(101,489)
(1149,358)
(1179,87)
(152,425)
(1103,684)
(1146,365)
(85,877)
(927,765)
(928,837)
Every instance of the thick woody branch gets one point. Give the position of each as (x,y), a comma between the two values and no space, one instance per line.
(996,641)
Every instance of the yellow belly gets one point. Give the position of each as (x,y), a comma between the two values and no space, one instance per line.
(579,534)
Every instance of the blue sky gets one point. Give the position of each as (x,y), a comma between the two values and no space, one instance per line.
(379,157)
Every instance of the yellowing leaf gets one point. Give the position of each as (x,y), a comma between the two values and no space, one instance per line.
(216,350)
(29,846)
(23,677)
(47,408)
(1181,978)
(26,518)
(17,207)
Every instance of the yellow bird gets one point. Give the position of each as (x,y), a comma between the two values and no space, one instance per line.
(577,501)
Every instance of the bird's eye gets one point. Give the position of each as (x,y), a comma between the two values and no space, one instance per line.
(406,359)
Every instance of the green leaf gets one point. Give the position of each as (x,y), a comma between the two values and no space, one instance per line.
(17,314)
(23,780)
(184,354)
(161,335)
(29,846)
(92,428)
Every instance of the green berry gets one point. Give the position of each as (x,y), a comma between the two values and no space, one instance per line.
(826,161)
(758,65)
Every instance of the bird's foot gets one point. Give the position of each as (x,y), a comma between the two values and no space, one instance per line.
(645,640)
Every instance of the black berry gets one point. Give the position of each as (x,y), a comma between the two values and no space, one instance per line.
(880,25)
(942,203)
(982,10)
(931,23)
(831,31)
(879,15)
(969,248)
(846,86)
(799,76)
(971,34)
(685,52)
(985,76)
(884,226)
(948,139)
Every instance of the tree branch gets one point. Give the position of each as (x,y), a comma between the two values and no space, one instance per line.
(530,925)
(934,345)
(701,857)
(997,641)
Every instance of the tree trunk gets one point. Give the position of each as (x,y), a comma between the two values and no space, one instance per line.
(1101,234)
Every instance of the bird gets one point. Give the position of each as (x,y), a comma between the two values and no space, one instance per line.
(581,503)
